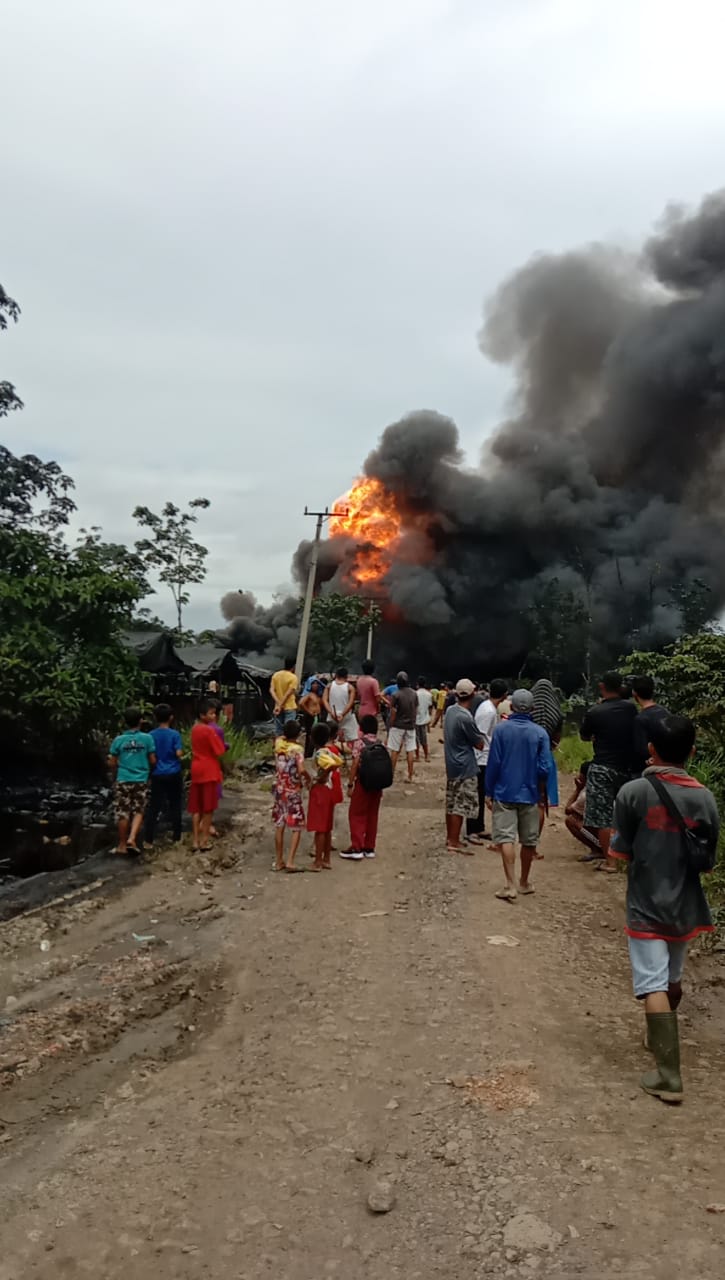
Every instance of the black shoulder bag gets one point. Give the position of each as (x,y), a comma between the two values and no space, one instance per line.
(700,846)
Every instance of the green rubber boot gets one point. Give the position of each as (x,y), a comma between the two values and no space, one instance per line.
(664,1043)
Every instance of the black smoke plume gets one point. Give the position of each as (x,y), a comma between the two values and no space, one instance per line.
(602,490)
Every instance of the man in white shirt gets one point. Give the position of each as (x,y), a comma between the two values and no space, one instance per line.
(422,720)
(486,717)
(339,700)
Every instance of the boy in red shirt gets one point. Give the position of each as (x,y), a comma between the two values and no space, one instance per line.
(207,747)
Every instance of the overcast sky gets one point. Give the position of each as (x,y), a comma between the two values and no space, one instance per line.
(245,237)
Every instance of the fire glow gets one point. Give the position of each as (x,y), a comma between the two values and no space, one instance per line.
(368,514)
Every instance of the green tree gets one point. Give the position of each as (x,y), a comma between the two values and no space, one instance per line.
(63,667)
(338,620)
(171,550)
(690,678)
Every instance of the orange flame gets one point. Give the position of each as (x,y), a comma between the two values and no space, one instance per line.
(368,514)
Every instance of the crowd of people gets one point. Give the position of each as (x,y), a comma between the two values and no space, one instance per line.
(634,801)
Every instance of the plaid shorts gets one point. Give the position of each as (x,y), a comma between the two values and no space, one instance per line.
(603,784)
(129,798)
(462,797)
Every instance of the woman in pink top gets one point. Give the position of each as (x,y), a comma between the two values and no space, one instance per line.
(368,691)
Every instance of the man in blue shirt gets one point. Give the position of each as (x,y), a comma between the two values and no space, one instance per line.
(516,774)
(167,786)
(131,758)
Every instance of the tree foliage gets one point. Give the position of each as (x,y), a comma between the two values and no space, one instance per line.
(690,679)
(336,621)
(171,550)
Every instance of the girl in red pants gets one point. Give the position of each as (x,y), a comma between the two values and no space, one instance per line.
(365,803)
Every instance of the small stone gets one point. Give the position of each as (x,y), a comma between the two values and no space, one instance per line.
(525,1232)
(393,1105)
(716,1208)
(573,1233)
(382,1197)
(126,1090)
(365,1153)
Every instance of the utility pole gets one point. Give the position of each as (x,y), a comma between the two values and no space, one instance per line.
(321,517)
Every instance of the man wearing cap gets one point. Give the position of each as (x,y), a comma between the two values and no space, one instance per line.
(516,774)
(461,740)
(403,714)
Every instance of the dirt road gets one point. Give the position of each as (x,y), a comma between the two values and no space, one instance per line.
(220,1101)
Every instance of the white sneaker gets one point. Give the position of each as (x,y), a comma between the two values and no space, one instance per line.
(369,853)
(352,855)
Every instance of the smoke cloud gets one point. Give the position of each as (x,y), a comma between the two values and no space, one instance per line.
(607,476)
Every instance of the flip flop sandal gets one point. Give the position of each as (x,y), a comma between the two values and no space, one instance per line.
(590,857)
(467,853)
(507,895)
(293,871)
(603,866)
(206,848)
(133,851)
(529,888)
(274,867)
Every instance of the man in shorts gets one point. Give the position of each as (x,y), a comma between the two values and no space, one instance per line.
(461,740)
(516,774)
(339,700)
(131,758)
(403,713)
(666,906)
(610,725)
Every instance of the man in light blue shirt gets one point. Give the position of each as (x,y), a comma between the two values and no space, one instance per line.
(518,766)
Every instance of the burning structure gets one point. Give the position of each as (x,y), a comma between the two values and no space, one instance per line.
(595,520)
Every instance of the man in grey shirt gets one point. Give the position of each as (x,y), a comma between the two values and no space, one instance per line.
(461,740)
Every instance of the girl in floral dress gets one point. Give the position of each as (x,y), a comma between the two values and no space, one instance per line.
(288,810)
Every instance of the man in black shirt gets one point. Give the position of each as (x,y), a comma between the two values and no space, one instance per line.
(610,726)
(643,688)
(403,715)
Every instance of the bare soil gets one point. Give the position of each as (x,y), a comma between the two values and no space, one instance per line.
(220,1095)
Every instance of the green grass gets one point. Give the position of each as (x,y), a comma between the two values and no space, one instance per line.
(572,752)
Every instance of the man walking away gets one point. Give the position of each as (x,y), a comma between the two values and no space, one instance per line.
(131,759)
(461,740)
(643,689)
(167,785)
(666,827)
(518,767)
(368,692)
(610,726)
(485,720)
(339,700)
(283,687)
(422,719)
(371,773)
(403,712)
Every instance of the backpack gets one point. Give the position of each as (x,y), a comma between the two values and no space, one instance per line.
(375,771)
(698,842)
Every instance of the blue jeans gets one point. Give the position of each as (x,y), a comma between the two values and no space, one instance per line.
(281,720)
